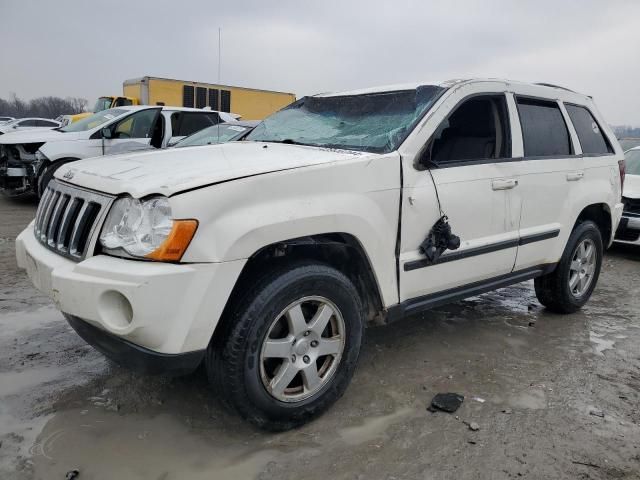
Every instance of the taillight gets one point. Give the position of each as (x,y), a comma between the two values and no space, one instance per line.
(623,172)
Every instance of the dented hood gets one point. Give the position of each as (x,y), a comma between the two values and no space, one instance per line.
(177,169)
(39,135)
(632,186)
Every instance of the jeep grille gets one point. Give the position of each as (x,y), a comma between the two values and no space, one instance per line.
(67,218)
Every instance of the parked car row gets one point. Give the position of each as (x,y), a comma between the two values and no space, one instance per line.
(263,259)
(22,124)
(28,159)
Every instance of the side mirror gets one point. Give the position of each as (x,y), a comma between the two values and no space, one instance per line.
(106,132)
(14,126)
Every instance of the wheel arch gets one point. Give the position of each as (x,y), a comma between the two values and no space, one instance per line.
(600,214)
(342,251)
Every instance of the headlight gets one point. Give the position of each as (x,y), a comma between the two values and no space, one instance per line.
(146,229)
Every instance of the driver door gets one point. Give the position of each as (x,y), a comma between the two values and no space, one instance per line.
(470,172)
(132,132)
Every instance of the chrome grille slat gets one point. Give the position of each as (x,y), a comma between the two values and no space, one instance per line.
(75,238)
(54,225)
(68,218)
(45,198)
(47,216)
(44,203)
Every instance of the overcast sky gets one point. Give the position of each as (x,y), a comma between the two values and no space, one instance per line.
(77,48)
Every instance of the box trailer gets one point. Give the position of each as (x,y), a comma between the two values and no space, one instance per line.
(249,103)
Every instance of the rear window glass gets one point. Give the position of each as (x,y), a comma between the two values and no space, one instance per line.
(186,123)
(591,137)
(544,131)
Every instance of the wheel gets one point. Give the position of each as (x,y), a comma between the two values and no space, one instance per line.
(290,347)
(571,284)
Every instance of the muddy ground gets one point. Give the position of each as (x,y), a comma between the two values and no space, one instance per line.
(532,382)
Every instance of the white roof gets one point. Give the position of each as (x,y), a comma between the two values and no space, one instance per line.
(445,84)
(163,107)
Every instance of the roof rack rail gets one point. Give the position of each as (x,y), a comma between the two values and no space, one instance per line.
(542,84)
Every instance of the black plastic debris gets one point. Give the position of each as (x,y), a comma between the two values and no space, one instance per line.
(72,474)
(446,402)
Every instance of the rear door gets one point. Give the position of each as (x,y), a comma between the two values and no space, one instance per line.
(549,172)
(471,173)
(184,124)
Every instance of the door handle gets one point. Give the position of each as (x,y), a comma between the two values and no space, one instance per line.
(575,176)
(505,184)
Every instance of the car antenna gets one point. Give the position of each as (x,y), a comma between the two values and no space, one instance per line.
(219,74)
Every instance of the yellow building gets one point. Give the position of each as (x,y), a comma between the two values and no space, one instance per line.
(250,103)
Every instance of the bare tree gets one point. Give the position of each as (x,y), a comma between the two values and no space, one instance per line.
(45,107)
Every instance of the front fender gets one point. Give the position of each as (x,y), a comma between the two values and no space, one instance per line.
(357,197)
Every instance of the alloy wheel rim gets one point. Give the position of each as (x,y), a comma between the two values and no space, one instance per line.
(302,349)
(582,268)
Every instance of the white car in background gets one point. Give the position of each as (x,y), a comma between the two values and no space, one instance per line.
(29,159)
(4,120)
(27,124)
(629,228)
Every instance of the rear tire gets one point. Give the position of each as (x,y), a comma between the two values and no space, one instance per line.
(288,349)
(570,285)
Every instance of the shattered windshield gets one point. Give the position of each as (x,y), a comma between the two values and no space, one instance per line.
(374,122)
(632,161)
(93,121)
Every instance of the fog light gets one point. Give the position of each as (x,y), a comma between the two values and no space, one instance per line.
(115,310)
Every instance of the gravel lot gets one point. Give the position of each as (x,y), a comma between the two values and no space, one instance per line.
(532,382)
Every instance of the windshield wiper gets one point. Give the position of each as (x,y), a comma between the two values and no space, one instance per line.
(288,141)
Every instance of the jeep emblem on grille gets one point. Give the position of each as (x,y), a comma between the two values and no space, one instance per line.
(69,175)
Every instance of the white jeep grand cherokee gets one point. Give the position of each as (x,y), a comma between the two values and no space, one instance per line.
(265,258)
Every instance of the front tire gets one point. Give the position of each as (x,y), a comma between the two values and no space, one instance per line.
(570,285)
(288,349)
(46,175)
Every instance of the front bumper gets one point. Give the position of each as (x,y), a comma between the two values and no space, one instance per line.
(629,229)
(134,356)
(154,307)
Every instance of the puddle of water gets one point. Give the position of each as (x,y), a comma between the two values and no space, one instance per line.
(94,442)
(372,427)
(18,434)
(14,382)
(16,322)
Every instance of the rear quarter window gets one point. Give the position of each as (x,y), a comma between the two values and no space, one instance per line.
(544,131)
(590,135)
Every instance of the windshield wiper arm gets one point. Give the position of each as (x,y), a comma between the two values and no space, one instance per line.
(288,141)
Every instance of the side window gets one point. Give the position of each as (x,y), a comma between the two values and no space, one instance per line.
(213,98)
(187,95)
(138,125)
(46,123)
(478,129)
(201,97)
(591,137)
(122,102)
(194,122)
(28,123)
(544,131)
(225,101)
